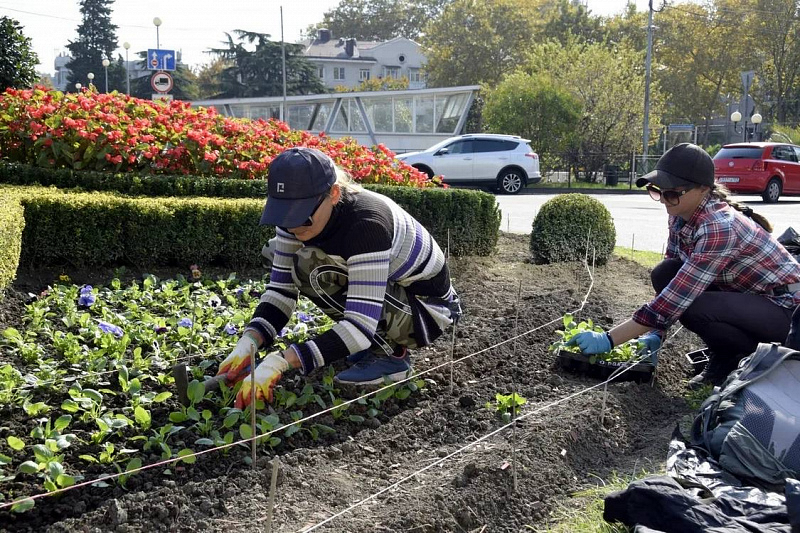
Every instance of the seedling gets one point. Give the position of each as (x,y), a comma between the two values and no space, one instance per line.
(623,353)
(504,404)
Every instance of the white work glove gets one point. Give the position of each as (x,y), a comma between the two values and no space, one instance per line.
(268,372)
(237,364)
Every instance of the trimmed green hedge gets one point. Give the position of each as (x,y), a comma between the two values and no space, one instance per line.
(565,223)
(12,222)
(101,229)
(133,184)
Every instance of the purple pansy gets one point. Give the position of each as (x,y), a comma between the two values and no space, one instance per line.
(284,332)
(239,292)
(111,328)
(302,317)
(185,322)
(231,329)
(86,298)
(160,329)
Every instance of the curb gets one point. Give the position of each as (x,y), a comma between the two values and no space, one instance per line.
(564,190)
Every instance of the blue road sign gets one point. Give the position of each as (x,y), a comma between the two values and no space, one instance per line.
(681,127)
(160,59)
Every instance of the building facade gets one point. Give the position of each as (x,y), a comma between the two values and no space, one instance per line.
(348,62)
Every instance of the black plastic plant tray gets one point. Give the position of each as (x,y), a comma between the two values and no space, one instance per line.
(698,359)
(579,363)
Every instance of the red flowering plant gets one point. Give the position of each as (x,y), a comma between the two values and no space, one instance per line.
(115,132)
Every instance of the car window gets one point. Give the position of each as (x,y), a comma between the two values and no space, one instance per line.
(492,145)
(460,147)
(784,153)
(740,152)
(797,152)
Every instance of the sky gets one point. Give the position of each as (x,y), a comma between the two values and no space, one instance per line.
(191,26)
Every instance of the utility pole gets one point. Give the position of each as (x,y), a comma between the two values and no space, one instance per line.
(647,68)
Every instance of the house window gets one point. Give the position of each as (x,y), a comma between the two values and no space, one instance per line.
(363,74)
(338,73)
(391,72)
(414,75)
(321,72)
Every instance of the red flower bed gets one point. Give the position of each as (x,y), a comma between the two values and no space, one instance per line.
(114,132)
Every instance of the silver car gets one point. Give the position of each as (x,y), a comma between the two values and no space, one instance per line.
(504,162)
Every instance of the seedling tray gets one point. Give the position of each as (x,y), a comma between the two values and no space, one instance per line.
(698,359)
(579,363)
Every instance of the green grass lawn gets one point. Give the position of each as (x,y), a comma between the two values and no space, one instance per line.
(643,257)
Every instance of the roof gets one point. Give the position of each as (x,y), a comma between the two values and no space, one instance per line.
(335,48)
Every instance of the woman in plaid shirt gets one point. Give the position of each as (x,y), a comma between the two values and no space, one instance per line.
(724,276)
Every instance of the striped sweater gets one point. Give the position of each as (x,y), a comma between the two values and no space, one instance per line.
(380,243)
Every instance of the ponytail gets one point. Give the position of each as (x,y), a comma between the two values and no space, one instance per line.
(720,192)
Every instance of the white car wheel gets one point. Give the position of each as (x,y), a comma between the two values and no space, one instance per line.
(510,182)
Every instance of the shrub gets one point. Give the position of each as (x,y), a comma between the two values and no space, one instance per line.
(11,223)
(114,132)
(566,224)
(101,229)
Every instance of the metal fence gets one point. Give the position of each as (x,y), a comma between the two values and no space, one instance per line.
(605,168)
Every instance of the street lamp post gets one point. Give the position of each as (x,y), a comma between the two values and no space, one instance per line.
(736,117)
(91,78)
(127,46)
(78,86)
(157,23)
(106,62)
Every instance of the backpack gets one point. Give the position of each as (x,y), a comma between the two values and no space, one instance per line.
(751,425)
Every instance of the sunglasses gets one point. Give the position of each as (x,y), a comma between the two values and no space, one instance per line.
(310,220)
(672,197)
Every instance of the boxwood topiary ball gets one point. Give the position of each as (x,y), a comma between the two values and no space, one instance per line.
(562,226)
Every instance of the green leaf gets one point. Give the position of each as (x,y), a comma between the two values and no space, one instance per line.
(24,505)
(62,422)
(70,406)
(356,418)
(28,467)
(93,395)
(291,430)
(64,480)
(88,458)
(192,413)
(196,391)
(177,417)
(231,420)
(133,464)
(206,414)
(246,431)
(187,456)
(4,460)
(204,442)
(162,396)
(16,443)
(142,416)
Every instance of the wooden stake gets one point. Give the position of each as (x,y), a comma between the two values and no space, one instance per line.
(514,393)
(272,489)
(633,237)
(452,359)
(253,446)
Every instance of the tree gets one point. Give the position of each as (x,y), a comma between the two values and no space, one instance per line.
(567,18)
(209,78)
(698,55)
(776,30)
(380,20)
(479,41)
(609,85)
(259,72)
(376,84)
(17,58)
(533,107)
(97,40)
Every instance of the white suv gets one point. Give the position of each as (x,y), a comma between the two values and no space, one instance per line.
(504,162)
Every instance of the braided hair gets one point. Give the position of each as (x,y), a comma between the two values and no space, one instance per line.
(720,192)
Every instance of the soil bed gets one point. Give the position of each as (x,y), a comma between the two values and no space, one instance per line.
(557,450)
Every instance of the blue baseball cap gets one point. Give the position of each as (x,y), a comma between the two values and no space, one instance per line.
(297,179)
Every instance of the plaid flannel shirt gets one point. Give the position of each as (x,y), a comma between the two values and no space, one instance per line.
(719,245)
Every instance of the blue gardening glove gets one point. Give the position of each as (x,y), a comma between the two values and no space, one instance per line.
(652,343)
(592,342)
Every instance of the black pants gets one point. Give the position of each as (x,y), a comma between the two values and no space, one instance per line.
(730,323)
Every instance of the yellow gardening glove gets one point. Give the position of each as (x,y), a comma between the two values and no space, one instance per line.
(268,372)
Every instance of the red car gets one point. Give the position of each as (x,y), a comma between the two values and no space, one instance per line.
(765,168)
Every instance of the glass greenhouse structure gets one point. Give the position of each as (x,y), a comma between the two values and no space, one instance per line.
(402,120)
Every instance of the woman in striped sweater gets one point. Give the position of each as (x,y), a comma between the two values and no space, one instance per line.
(362,260)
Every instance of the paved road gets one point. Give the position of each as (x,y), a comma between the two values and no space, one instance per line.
(640,222)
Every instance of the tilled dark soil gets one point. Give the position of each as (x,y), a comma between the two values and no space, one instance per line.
(421,464)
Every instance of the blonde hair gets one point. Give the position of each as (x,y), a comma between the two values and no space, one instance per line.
(345,181)
(720,192)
